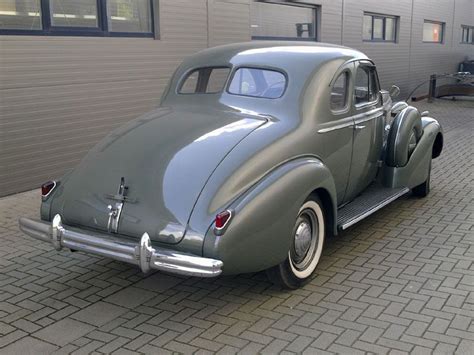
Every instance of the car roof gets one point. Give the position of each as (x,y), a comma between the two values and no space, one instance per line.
(287,55)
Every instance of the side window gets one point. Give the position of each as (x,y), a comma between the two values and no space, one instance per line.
(366,85)
(205,81)
(339,92)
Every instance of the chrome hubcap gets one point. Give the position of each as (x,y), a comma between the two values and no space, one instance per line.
(302,239)
(305,240)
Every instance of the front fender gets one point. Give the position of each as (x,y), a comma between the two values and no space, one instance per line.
(416,171)
(260,233)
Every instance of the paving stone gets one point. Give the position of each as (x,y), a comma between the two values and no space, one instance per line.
(29,346)
(63,332)
(400,281)
(99,313)
(465,347)
(139,342)
(113,345)
(130,297)
(180,347)
(274,347)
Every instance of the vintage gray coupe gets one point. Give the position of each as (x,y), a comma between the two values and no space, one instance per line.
(257,153)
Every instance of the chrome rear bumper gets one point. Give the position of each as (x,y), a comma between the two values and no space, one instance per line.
(141,254)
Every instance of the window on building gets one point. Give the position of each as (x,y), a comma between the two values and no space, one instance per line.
(283,21)
(205,81)
(78,17)
(366,85)
(77,13)
(339,92)
(20,15)
(433,31)
(467,34)
(379,28)
(269,84)
(129,15)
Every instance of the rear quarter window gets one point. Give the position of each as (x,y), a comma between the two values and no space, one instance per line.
(256,82)
(204,81)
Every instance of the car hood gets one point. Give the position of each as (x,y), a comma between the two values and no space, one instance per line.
(165,158)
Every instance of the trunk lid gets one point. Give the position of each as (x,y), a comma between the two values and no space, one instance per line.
(165,158)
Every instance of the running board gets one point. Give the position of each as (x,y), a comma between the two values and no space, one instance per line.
(370,201)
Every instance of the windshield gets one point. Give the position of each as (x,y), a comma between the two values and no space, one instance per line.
(257,82)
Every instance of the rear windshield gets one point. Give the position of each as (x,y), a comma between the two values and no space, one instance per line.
(255,82)
(205,81)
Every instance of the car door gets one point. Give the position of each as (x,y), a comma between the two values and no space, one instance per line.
(368,117)
(335,131)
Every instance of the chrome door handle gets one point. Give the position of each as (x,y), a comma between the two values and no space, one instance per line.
(359,127)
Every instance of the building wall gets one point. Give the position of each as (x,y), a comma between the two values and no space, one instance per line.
(60,95)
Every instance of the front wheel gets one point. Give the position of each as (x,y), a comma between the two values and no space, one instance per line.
(306,247)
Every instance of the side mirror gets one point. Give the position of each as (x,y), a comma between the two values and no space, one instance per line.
(394,91)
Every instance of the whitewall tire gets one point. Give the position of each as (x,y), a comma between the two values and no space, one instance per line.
(306,246)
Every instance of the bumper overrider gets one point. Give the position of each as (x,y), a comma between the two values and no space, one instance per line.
(141,254)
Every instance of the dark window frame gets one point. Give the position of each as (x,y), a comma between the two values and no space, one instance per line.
(102,29)
(384,29)
(443,31)
(316,21)
(470,33)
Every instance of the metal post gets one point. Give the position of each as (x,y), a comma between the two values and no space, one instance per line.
(432,88)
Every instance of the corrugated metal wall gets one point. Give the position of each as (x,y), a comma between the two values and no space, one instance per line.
(60,95)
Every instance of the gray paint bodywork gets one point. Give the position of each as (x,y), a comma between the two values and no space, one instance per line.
(200,154)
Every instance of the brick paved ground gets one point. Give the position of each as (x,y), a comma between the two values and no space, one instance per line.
(401,281)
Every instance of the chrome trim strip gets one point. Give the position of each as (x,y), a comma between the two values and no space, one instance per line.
(359,118)
(141,254)
(333,128)
(367,116)
(374,209)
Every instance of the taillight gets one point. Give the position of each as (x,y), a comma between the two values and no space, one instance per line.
(47,188)
(222,219)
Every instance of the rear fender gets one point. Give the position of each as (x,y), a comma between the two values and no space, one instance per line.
(415,172)
(259,234)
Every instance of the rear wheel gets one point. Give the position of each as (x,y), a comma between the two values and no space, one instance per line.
(423,189)
(306,247)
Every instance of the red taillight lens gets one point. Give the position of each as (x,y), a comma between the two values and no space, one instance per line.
(222,219)
(47,187)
